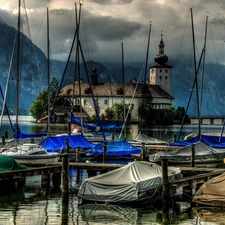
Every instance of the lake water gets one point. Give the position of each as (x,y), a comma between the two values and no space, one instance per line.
(35,206)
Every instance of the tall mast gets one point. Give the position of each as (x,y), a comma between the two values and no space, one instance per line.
(145,77)
(17,73)
(48,68)
(124,105)
(196,73)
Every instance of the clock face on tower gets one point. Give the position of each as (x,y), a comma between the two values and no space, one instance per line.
(153,71)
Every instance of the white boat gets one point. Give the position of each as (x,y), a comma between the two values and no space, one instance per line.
(32,152)
(134,184)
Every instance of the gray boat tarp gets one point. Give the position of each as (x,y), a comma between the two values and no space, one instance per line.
(124,184)
(149,140)
(212,192)
(203,153)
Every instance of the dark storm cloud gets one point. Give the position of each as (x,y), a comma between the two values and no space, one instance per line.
(110,2)
(7,18)
(109,28)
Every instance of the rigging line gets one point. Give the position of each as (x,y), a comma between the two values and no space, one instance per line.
(94,101)
(130,105)
(145,74)
(64,72)
(88,40)
(7,83)
(66,33)
(194,83)
(3,109)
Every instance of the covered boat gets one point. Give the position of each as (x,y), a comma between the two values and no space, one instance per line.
(116,149)
(8,163)
(135,183)
(203,154)
(58,143)
(212,192)
(143,138)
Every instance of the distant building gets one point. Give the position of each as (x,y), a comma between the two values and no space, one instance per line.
(107,94)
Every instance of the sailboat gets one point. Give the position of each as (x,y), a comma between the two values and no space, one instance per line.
(26,151)
(208,147)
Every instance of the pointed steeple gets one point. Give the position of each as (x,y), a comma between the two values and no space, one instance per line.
(161,58)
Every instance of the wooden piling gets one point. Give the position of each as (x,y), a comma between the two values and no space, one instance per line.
(3,140)
(6,134)
(165,184)
(192,155)
(65,171)
(174,138)
(105,152)
(78,160)
(142,151)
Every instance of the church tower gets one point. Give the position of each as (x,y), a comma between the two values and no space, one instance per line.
(161,73)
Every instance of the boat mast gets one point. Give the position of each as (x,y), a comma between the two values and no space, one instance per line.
(145,77)
(124,105)
(17,74)
(48,68)
(196,73)
(203,63)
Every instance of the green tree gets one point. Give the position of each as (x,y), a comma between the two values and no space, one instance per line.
(119,110)
(39,107)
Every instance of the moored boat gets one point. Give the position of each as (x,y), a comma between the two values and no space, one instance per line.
(134,184)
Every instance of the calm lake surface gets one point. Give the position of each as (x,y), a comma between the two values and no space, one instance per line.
(36,206)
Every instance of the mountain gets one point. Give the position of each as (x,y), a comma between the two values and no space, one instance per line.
(33,76)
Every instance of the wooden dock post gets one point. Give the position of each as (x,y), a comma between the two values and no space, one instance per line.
(192,155)
(3,140)
(174,138)
(142,151)
(65,172)
(165,183)
(105,152)
(6,134)
(78,160)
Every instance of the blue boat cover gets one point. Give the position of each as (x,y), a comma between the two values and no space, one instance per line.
(19,134)
(116,149)
(85,125)
(58,143)
(211,140)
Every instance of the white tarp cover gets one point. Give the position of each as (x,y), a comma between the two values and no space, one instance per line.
(212,192)
(149,140)
(124,184)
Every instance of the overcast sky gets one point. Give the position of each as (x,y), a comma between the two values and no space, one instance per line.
(105,22)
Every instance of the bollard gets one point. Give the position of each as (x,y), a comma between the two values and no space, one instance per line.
(193,155)
(65,172)
(6,134)
(174,138)
(3,140)
(165,183)
(142,151)
(105,152)
(78,160)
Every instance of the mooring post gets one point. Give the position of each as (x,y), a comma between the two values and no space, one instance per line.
(142,151)
(6,134)
(192,155)
(3,140)
(69,128)
(165,183)
(174,138)
(113,136)
(78,160)
(65,171)
(105,152)
(165,191)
